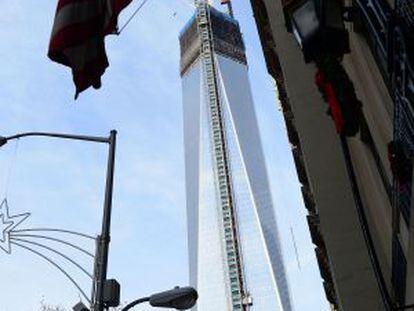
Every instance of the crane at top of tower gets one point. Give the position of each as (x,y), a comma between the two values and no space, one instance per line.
(223,2)
(229,6)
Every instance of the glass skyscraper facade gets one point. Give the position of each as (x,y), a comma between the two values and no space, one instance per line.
(234,250)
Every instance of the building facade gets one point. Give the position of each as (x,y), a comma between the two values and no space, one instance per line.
(357,182)
(235,254)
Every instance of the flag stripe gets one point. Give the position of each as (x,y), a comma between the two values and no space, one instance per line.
(111,20)
(63,3)
(75,13)
(90,75)
(78,36)
(85,53)
(108,12)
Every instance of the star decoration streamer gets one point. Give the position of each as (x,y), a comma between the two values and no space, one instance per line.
(7,224)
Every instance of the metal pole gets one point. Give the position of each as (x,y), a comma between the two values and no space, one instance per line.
(104,239)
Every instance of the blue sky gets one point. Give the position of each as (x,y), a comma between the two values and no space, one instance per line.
(61,182)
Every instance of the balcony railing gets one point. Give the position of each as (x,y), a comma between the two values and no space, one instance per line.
(377,20)
(405,9)
(404,133)
(390,34)
(403,83)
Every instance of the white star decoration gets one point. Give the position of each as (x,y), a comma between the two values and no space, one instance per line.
(7,224)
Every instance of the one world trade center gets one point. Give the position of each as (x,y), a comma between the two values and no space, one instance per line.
(235,254)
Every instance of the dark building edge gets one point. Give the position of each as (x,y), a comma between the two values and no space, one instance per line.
(275,70)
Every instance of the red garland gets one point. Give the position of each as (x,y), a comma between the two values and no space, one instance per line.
(331,98)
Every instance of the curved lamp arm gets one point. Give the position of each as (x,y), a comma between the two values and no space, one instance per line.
(97,139)
(134,303)
(180,298)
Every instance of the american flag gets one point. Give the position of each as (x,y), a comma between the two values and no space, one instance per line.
(78,34)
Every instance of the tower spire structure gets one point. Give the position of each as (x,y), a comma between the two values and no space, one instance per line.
(220,159)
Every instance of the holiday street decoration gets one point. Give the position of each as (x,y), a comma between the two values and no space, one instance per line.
(8,224)
(36,241)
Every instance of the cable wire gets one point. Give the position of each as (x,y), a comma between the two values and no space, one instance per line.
(57,230)
(12,234)
(56,252)
(118,32)
(56,266)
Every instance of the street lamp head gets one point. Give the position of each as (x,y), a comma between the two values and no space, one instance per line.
(180,298)
(3,141)
(80,307)
(318,26)
(305,23)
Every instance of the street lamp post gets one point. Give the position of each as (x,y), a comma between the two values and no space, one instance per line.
(101,258)
(105,237)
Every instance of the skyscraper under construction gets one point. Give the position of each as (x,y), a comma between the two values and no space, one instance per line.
(235,254)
